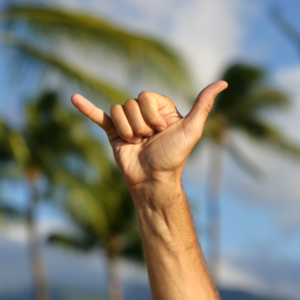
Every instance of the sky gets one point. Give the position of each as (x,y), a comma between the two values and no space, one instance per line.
(260,219)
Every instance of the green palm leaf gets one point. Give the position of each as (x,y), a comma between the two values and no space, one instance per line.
(154,57)
(9,212)
(269,135)
(69,69)
(243,161)
(240,107)
(73,242)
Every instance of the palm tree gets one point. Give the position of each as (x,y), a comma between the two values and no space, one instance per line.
(42,150)
(44,36)
(104,212)
(13,158)
(239,109)
(10,149)
(47,35)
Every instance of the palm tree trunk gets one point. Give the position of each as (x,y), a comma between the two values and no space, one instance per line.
(213,209)
(38,272)
(114,282)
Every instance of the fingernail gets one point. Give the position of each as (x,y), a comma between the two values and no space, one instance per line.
(159,129)
(150,134)
(136,140)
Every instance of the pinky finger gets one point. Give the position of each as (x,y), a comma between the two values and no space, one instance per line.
(96,114)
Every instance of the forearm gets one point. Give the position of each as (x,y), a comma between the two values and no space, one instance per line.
(174,259)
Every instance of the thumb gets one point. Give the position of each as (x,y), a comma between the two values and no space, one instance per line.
(204,103)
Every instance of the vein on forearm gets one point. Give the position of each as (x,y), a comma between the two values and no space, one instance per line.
(170,241)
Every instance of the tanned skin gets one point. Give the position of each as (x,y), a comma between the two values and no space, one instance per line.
(151,142)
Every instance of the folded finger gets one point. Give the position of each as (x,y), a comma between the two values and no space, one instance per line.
(122,124)
(150,103)
(136,120)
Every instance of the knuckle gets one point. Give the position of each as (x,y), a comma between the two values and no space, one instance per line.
(126,135)
(129,103)
(142,131)
(207,106)
(145,95)
(115,108)
(151,119)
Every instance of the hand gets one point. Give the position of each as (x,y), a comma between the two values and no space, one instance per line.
(150,139)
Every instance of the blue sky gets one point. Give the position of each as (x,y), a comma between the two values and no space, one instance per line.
(259,219)
(265,44)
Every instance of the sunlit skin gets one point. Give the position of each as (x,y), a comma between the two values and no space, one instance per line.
(151,142)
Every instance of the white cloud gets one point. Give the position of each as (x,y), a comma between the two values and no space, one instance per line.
(281,183)
(64,267)
(289,79)
(87,271)
(232,277)
(265,274)
(278,189)
(207,33)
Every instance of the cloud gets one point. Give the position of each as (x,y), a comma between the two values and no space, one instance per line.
(64,267)
(207,33)
(266,274)
(289,79)
(276,195)
(280,184)
(287,216)
(234,277)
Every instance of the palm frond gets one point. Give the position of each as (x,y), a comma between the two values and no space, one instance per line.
(243,161)
(6,152)
(84,244)
(268,134)
(9,212)
(287,29)
(242,80)
(13,151)
(247,93)
(87,211)
(109,92)
(153,56)
(19,146)
(83,203)
(258,101)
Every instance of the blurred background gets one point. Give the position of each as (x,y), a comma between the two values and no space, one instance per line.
(67,225)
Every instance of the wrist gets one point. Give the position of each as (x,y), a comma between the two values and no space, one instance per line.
(164,216)
(155,194)
(154,180)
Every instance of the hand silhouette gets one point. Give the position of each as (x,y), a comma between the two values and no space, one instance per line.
(150,139)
